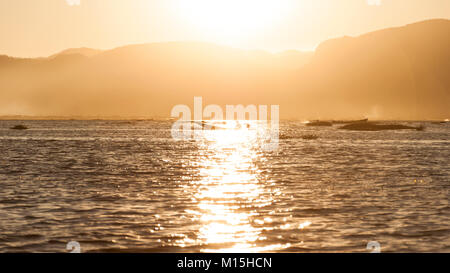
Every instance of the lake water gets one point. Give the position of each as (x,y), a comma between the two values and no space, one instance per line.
(127,186)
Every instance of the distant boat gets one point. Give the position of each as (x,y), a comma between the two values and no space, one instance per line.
(212,125)
(440,122)
(222,125)
(319,123)
(19,127)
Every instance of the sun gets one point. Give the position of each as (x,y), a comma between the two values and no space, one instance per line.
(232,18)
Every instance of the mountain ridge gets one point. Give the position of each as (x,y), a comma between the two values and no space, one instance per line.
(394,73)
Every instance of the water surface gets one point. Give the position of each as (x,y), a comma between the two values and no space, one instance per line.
(128,186)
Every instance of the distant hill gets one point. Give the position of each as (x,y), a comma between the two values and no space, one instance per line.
(141,80)
(392,73)
(397,73)
(84,51)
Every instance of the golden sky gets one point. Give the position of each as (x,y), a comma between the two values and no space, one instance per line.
(31,28)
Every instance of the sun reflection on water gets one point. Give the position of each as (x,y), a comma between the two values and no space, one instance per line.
(230,192)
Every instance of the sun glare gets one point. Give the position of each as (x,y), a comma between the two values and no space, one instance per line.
(232,18)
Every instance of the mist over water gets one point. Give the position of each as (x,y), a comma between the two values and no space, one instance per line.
(128,186)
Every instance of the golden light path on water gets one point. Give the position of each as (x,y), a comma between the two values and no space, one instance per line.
(230,192)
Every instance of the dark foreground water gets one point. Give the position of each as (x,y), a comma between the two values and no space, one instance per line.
(128,186)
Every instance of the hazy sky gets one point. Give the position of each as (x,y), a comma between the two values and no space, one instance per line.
(43,27)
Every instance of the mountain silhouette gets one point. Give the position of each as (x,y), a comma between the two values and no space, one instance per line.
(84,51)
(399,72)
(396,73)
